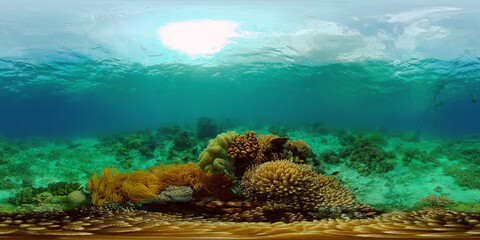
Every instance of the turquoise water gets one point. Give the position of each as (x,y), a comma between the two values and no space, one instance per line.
(72,73)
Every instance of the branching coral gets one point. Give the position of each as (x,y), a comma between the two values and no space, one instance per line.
(294,186)
(215,157)
(243,149)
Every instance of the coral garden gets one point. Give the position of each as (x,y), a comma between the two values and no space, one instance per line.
(138,182)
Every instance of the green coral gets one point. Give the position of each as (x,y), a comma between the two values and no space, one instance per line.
(7,184)
(464,207)
(367,156)
(24,196)
(62,188)
(465,175)
(183,140)
(409,154)
(329,156)
(28,195)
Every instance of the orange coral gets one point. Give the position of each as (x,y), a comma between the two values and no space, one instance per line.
(107,188)
(243,150)
(244,146)
(138,186)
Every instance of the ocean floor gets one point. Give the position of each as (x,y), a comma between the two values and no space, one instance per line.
(400,169)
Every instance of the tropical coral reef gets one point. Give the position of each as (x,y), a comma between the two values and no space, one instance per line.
(366,154)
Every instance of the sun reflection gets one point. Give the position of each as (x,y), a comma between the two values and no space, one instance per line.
(200,37)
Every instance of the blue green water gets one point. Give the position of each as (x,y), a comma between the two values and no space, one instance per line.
(58,98)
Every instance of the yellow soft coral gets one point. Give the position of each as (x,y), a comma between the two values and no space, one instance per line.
(138,186)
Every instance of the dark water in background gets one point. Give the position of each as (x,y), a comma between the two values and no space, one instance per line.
(75,73)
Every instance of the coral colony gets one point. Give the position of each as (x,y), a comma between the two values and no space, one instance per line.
(242,185)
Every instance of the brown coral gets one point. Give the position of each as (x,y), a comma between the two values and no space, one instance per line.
(115,187)
(270,147)
(214,158)
(299,149)
(435,200)
(294,186)
(243,149)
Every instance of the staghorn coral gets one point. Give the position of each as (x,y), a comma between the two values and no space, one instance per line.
(214,158)
(293,186)
(243,149)
(139,186)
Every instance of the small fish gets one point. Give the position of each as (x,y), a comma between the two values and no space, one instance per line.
(370,213)
(288,213)
(335,173)
(355,189)
(301,161)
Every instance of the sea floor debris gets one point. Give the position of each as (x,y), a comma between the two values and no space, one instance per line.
(107,222)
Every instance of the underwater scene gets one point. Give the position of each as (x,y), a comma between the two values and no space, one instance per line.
(156,119)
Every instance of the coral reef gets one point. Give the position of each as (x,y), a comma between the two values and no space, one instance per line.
(244,150)
(270,146)
(139,186)
(293,186)
(433,200)
(409,154)
(329,156)
(28,195)
(467,175)
(206,128)
(366,155)
(215,157)
(183,140)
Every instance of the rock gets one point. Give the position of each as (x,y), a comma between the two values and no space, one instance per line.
(175,194)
